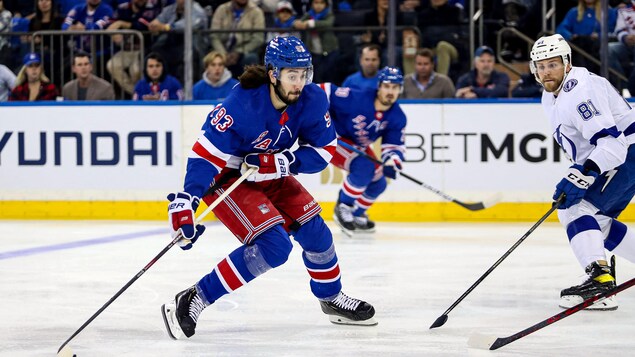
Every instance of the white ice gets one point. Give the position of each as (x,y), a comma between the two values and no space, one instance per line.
(411,273)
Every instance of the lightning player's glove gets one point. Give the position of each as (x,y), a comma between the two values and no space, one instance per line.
(392,165)
(181,214)
(270,166)
(574,185)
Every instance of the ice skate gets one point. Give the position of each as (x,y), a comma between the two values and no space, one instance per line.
(363,224)
(344,310)
(600,279)
(343,216)
(181,314)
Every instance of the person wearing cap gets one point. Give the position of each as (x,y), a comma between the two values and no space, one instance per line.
(362,117)
(284,19)
(483,81)
(31,83)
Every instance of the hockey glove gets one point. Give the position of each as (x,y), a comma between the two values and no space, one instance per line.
(392,165)
(270,166)
(181,214)
(574,185)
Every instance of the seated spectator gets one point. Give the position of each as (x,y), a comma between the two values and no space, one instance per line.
(5,27)
(369,61)
(622,52)
(425,82)
(169,24)
(7,82)
(217,79)
(156,84)
(582,27)
(284,19)
(31,83)
(322,44)
(483,81)
(527,87)
(47,17)
(378,16)
(93,15)
(87,86)
(125,66)
(441,27)
(241,48)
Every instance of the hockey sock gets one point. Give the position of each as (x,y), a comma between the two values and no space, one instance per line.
(269,250)
(363,203)
(350,193)
(586,240)
(320,258)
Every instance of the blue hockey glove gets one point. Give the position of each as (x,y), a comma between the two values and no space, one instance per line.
(270,166)
(574,185)
(392,165)
(181,215)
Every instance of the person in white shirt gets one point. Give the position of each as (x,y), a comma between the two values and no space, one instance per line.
(594,125)
(7,82)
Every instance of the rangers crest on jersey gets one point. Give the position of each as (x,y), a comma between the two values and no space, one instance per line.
(570,84)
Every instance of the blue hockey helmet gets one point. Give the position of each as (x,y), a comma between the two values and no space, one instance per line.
(288,52)
(389,75)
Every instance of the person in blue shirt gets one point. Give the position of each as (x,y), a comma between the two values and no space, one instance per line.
(483,81)
(217,80)
(369,61)
(361,117)
(272,108)
(156,84)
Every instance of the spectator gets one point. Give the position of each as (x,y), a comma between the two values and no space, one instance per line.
(217,80)
(378,16)
(156,84)
(284,19)
(369,61)
(46,17)
(425,82)
(169,24)
(31,83)
(241,48)
(582,27)
(7,82)
(87,86)
(483,81)
(125,65)
(623,51)
(527,87)
(5,27)
(93,15)
(441,27)
(322,44)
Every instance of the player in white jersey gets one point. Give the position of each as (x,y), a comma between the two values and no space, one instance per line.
(594,125)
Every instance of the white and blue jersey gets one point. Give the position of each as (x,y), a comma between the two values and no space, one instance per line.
(355,118)
(247,122)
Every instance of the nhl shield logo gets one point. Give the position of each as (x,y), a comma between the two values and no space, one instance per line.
(263,208)
(570,84)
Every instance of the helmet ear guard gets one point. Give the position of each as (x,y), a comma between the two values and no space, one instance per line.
(288,52)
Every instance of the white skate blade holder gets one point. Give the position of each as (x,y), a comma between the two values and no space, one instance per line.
(339,320)
(606,304)
(168,311)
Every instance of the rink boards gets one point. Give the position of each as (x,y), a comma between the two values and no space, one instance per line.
(112,161)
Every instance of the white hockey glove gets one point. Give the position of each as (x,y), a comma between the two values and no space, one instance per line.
(181,215)
(392,165)
(270,166)
(574,185)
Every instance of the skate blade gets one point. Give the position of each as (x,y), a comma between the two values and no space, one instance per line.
(339,320)
(608,304)
(168,311)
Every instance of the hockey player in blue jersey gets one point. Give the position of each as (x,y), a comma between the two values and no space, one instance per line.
(361,116)
(596,128)
(271,108)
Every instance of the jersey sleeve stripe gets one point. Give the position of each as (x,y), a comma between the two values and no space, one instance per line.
(200,151)
(612,131)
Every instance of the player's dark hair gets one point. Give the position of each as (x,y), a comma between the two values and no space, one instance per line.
(254,76)
(81,54)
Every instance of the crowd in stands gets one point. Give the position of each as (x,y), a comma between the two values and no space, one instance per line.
(432,45)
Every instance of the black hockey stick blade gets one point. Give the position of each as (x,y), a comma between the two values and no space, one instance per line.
(440,321)
(476,206)
(489,342)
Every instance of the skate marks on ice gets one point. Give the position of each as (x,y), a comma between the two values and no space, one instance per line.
(409,272)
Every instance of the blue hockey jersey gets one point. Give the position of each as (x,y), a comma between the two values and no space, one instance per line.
(355,118)
(247,122)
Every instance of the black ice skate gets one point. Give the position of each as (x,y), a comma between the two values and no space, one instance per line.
(363,224)
(600,279)
(344,310)
(181,314)
(343,216)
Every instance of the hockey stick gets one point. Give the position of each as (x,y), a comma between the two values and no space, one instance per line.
(476,206)
(443,318)
(65,350)
(492,342)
